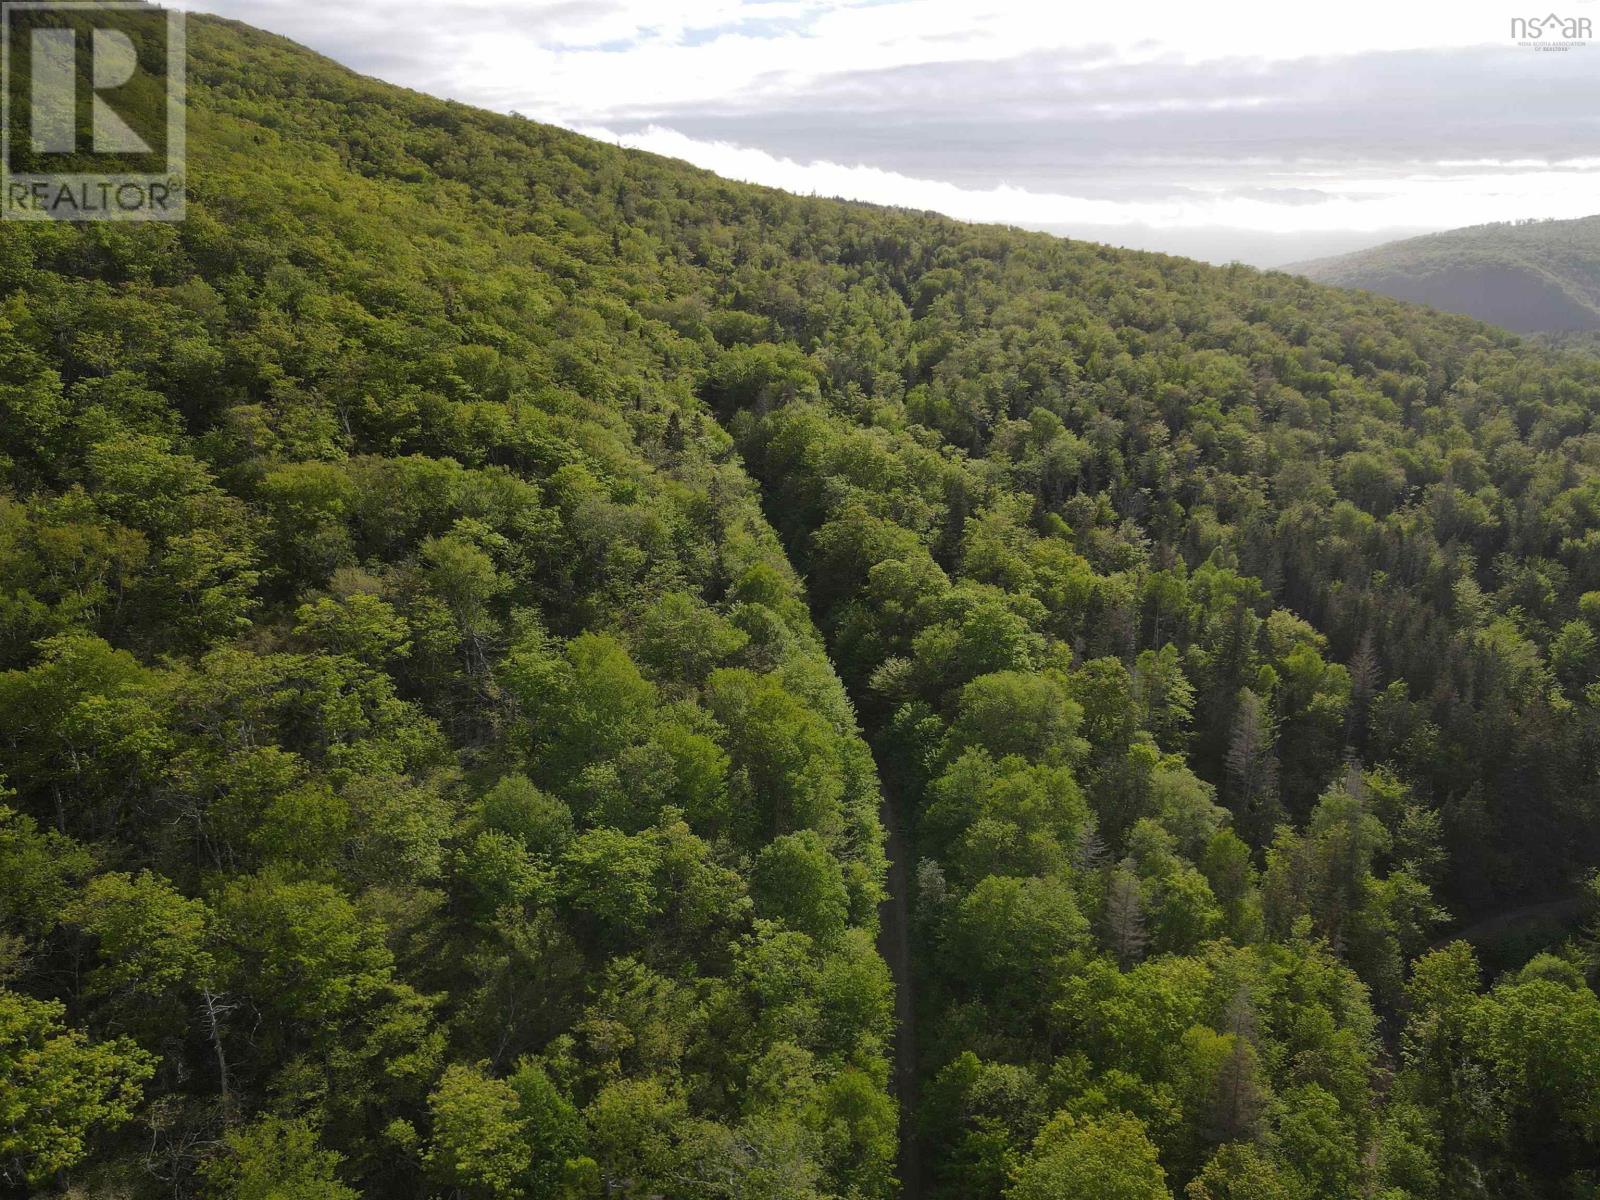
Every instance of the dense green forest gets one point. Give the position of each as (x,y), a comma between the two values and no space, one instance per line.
(449,587)
(1537,277)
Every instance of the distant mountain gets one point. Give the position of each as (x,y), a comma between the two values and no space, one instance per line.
(1531,277)
(1223,244)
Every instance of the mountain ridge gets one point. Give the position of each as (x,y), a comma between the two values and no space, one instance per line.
(1530,276)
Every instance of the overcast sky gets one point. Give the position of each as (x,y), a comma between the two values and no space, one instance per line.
(1262,131)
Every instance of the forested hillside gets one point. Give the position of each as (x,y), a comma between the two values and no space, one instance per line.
(424,777)
(1531,276)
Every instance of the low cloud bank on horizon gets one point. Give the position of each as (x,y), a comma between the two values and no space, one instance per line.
(1257,131)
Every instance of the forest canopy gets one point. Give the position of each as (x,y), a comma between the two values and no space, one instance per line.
(1532,276)
(466,592)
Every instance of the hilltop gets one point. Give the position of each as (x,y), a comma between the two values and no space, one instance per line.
(1528,276)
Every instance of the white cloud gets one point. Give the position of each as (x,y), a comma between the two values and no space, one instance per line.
(586,59)
(1367,115)
(661,69)
(1430,194)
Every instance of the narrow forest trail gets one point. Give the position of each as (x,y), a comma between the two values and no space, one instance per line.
(1499,924)
(894,943)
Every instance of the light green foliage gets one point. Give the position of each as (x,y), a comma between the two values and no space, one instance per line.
(41,870)
(416,733)
(1085,1159)
(783,753)
(682,639)
(151,938)
(275,1159)
(360,625)
(58,1088)
(798,882)
(480,1146)
(1010,933)
(1318,1141)
(540,821)
(1242,1172)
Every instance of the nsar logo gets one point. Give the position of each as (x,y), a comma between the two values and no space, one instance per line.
(1552,32)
